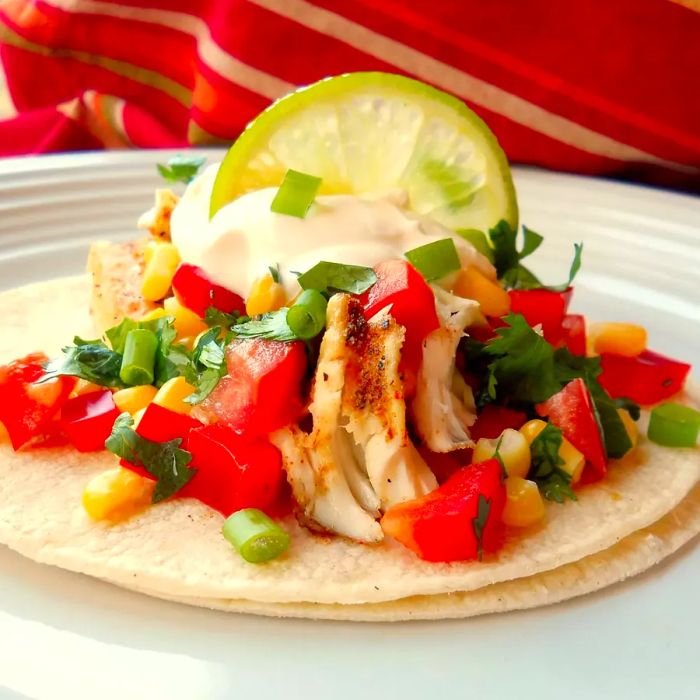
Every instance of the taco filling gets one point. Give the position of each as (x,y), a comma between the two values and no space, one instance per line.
(336,329)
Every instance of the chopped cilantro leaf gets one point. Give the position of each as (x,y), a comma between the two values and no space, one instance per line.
(479,523)
(553,482)
(275,273)
(91,360)
(215,317)
(181,168)
(270,326)
(329,277)
(164,460)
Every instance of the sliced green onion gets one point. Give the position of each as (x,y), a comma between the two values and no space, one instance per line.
(255,537)
(306,318)
(138,361)
(478,240)
(435,260)
(296,194)
(674,425)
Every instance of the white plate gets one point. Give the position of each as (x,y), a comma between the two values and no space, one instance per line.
(67,636)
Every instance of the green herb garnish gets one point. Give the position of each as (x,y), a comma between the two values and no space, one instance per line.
(553,482)
(296,194)
(270,326)
(330,277)
(479,523)
(435,260)
(181,168)
(164,460)
(91,360)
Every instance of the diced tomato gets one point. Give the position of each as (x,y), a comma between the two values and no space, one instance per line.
(27,409)
(571,409)
(573,334)
(492,420)
(197,292)
(161,425)
(232,472)
(541,306)
(262,390)
(88,419)
(646,379)
(412,302)
(445,525)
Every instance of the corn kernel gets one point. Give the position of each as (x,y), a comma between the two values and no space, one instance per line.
(116,494)
(532,429)
(173,393)
(619,338)
(574,461)
(265,295)
(148,250)
(524,504)
(134,398)
(154,314)
(159,271)
(493,299)
(187,323)
(630,426)
(514,451)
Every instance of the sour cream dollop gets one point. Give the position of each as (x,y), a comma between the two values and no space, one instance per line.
(245,237)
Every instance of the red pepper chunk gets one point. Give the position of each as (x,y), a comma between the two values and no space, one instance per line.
(492,420)
(232,472)
(571,410)
(646,379)
(542,306)
(412,302)
(197,292)
(27,409)
(87,420)
(573,334)
(262,390)
(456,521)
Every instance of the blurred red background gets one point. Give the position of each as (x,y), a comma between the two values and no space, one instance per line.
(596,87)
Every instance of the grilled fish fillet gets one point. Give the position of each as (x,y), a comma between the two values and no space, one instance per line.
(117,274)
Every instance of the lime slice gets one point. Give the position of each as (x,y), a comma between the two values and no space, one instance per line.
(372,133)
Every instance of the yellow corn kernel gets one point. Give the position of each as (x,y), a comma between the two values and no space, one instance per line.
(138,416)
(524,504)
(574,461)
(116,494)
(83,386)
(532,429)
(134,398)
(173,393)
(514,451)
(187,323)
(160,312)
(159,271)
(265,295)
(619,338)
(630,426)
(148,250)
(493,299)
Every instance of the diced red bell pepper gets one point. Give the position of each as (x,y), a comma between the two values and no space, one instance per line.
(571,409)
(646,379)
(232,472)
(573,334)
(541,306)
(87,420)
(492,420)
(197,292)
(28,409)
(412,302)
(161,425)
(445,525)
(262,390)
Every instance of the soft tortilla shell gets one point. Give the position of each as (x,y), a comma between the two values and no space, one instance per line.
(176,550)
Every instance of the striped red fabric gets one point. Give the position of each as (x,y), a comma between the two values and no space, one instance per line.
(593,87)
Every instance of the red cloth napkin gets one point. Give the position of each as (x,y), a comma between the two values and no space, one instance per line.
(593,87)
